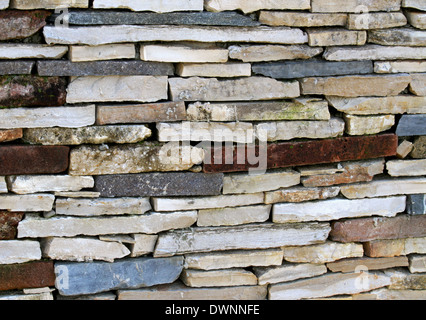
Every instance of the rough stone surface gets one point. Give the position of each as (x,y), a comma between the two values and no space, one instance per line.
(302,19)
(35,227)
(376,20)
(16,160)
(19,251)
(416,19)
(218,278)
(31,51)
(399,66)
(255,53)
(323,37)
(9,223)
(94,277)
(253,88)
(255,236)
(101,206)
(142,113)
(418,84)
(27,90)
(419,148)
(179,53)
(10,135)
(48,4)
(103,68)
(67,117)
(315,68)
(87,135)
(30,202)
(299,194)
(27,275)
(288,272)
(251,6)
(416,204)
(159,184)
(148,5)
(117,88)
(218,70)
(120,159)
(374,52)
(103,52)
(355,86)
(233,259)
(397,168)
(353,6)
(15,67)
(82,249)
(357,126)
(417,264)
(402,280)
(368,229)
(385,187)
(42,183)
(16,24)
(398,37)
(395,247)
(351,265)
(335,209)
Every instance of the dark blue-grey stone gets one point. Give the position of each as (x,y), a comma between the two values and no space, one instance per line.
(412,125)
(311,68)
(416,204)
(16,67)
(74,278)
(110,17)
(159,184)
(62,68)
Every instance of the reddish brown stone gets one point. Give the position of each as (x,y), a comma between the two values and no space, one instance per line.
(311,152)
(10,135)
(367,229)
(9,223)
(33,159)
(17,24)
(27,275)
(28,91)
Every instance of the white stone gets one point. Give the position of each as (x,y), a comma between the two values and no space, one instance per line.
(240,132)
(4,4)
(417,19)
(362,125)
(143,244)
(28,297)
(218,278)
(287,130)
(173,204)
(330,284)
(218,70)
(35,227)
(3,185)
(334,209)
(31,51)
(126,33)
(288,272)
(399,66)
(19,251)
(77,194)
(117,88)
(103,52)
(385,187)
(417,4)
(233,216)
(397,168)
(150,5)
(233,259)
(252,183)
(355,5)
(29,202)
(68,117)
(181,53)
(374,52)
(43,183)
(48,4)
(248,6)
(324,252)
(83,249)
(417,263)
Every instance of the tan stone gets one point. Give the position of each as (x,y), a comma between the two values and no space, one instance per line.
(251,6)
(31,51)
(416,19)
(300,194)
(257,53)
(394,295)
(288,272)
(355,5)
(143,244)
(418,84)
(404,148)
(397,37)
(410,66)
(19,251)
(352,265)
(148,5)
(417,263)
(362,125)
(397,168)
(336,37)
(103,52)
(374,52)
(42,183)
(376,20)
(402,280)
(395,247)
(180,53)
(47,4)
(218,278)
(233,216)
(302,19)
(218,70)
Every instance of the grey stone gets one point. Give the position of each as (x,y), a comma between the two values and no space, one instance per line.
(412,125)
(88,278)
(301,69)
(103,68)
(106,17)
(159,184)
(16,67)
(416,204)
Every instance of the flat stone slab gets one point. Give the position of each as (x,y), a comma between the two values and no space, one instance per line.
(89,278)
(33,159)
(411,125)
(288,272)
(251,6)
(31,51)
(183,53)
(16,67)
(19,251)
(302,19)
(398,37)
(361,125)
(254,236)
(42,183)
(297,69)
(103,68)
(395,247)
(350,265)
(17,24)
(218,278)
(106,17)
(159,184)
(336,37)
(48,4)
(37,274)
(353,6)
(148,5)
(397,168)
(374,52)
(30,202)
(102,52)
(300,194)
(376,20)
(417,4)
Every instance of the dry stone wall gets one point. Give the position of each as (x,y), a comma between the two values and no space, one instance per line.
(217,149)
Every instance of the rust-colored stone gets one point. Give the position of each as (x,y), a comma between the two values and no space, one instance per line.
(33,159)
(17,24)
(311,152)
(9,223)
(27,275)
(367,229)
(28,91)
(10,135)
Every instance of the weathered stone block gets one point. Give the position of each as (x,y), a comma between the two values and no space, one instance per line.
(9,223)
(302,19)
(376,20)
(397,37)
(48,4)
(336,37)
(27,90)
(148,5)
(351,265)
(251,6)
(374,52)
(211,89)
(30,202)
(255,236)
(361,125)
(417,264)
(27,275)
(399,66)
(218,70)
(404,148)
(103,52)
(94,277)
(300,194)
(143,244)
(159,184)
(395,247)
(288,272)
(397,168)
(368,229)
(353,6)
(418,84)
(233,216)
(218,278)
(16,24)
(416,19)
(16,160)
(180,53)
(10,134)
(19,251)
(411,125)
(416,204)
(42,183)
(15,67)
(419,148)
(31,51)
